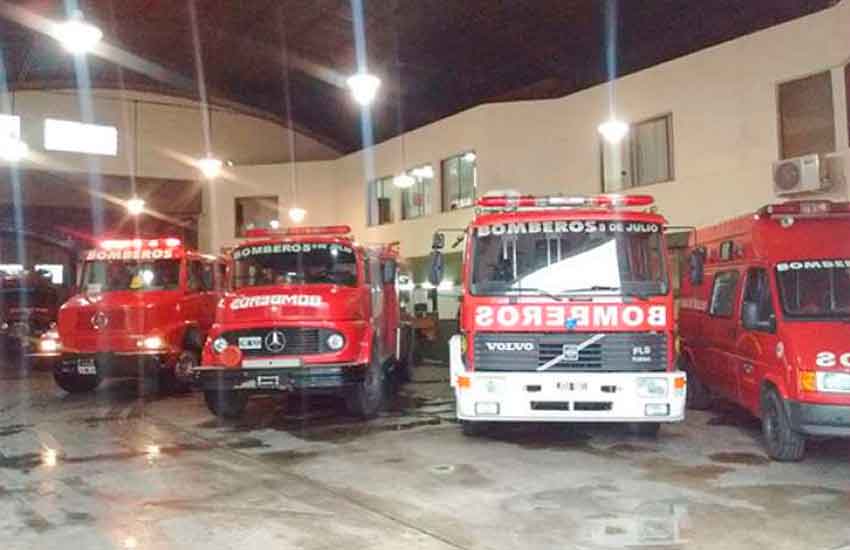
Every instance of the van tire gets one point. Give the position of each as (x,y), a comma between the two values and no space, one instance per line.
(73,383)
(698,396)
(645,429)
(226,403)
(783,444)
(366,398)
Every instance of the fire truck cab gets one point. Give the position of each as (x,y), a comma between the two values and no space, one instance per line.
(28,305)
(566,314)
(765,320)
(143,306)
(307,310)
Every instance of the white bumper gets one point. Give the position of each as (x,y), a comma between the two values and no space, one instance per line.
(563,396)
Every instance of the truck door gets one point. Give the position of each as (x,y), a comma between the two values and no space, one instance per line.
(376,289)
(757,339)
(721,332)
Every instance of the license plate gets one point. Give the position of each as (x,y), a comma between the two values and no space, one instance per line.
(572,386)
(268,382)
(86,366)
(250,342)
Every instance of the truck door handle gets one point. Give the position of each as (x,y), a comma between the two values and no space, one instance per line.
(748,368)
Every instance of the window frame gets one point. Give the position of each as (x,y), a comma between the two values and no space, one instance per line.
(632,162)
(373,195)
(750,276)
(444,194)
(426,209)
(734,295)
(238,218)
(780,146)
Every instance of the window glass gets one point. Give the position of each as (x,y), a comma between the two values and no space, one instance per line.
(55,271)
(256,213)
(77,137)
(294,263)
(806,116)
(643,157)
(416,200)
(757,291)
(723,294)
(102,276)
(459,175)
(380,201)
(814,289)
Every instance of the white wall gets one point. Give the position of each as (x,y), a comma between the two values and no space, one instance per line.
(170,134)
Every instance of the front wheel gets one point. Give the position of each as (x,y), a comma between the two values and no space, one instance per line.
(178,379)
(783,443)
(226,403)
(645,429)
(473,428)
(367,397)
(75,383)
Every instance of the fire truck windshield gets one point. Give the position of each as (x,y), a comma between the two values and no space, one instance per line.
(586,257)
(814,289)
(294,263)
(105,276)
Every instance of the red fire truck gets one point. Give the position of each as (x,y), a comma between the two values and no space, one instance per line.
(764,320)
(144,306)
(28,305)
(566,314)
(307,310)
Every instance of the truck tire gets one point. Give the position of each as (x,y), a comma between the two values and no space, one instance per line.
(226,403)
(698,396)
(74,383)
(645,429)
(367,397)
(783,444)
(408,362)
(178,379)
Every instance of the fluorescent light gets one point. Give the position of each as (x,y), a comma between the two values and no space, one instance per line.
(13,149)
(470,156)
(297,215)
(404,181)
(364,87)
(210,166)
(613,130)
(423,172)
(77,36)
(77,137)
(135,206)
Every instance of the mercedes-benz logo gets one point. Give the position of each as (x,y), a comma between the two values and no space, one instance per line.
(275,341)
(99,320)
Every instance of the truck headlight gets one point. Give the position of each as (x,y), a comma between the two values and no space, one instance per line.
(335,342)
(152,343)
(49,345)
(219,344)
(838,382)
(652,387)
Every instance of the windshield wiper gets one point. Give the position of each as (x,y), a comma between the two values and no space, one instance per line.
(594,288)
(538,290)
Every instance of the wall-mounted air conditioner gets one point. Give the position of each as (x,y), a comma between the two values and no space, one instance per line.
(797,175)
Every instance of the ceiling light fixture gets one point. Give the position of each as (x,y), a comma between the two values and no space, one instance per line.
(210,166)
(135,206)
(613,130)
(76,35)
(404,181)
(297,214)
(363,87)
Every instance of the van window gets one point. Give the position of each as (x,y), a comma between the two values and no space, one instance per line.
(758,292)
(723,294)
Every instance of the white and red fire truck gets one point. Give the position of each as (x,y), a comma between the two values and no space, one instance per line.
(566,314)
(307,310)
(144,307)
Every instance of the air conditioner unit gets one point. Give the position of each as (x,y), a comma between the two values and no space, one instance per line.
(797,175)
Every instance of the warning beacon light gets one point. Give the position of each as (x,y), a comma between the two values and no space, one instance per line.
(299,231)
(508,202)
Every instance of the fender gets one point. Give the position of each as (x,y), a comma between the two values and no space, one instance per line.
(366,345)
(770,379)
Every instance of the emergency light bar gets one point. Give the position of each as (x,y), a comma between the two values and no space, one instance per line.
(530,201)
(806,208)
(118,244)
(297,231)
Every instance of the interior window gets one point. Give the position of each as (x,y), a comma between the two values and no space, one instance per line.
(723,294)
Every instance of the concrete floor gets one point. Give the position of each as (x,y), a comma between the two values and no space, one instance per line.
(301,475)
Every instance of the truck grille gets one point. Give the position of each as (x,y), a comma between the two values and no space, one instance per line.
(296,341)
(575,351)
(115,319)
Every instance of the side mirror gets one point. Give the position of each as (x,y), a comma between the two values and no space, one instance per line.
(437,266)
(439,241)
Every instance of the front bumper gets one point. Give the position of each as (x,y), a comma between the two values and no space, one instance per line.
(562,396)
(324,377)
(819,420)
(115,364)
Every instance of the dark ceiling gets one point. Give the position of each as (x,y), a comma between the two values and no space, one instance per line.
(436,57)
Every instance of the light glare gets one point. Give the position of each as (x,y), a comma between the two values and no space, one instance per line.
(404,181)
(13,149)
(135,206)
(363,87)
(210,167)
(297,214)
(613,130)
(77,36)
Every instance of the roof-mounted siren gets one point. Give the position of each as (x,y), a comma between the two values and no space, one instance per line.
(339,230)
(809,174)
(514,202)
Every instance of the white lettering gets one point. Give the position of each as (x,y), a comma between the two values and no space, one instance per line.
(657,316)
(484,316)
(632,316)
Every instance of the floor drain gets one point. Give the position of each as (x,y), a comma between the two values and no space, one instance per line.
(443,469)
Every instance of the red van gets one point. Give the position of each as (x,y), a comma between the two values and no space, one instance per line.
(144,306)
(765,320)
(307,310)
